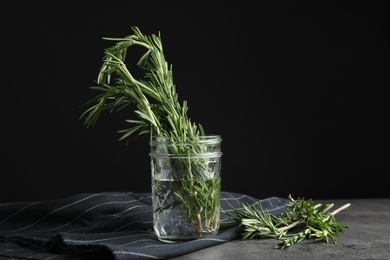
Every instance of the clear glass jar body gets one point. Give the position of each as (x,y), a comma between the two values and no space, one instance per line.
(186,187)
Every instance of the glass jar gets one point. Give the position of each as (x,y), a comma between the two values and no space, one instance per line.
(186,187)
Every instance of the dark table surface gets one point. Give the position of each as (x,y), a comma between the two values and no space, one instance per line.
(367,237)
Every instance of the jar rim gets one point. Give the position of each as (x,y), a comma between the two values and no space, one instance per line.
(208,138)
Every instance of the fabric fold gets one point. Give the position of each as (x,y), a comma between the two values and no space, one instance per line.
(106,225)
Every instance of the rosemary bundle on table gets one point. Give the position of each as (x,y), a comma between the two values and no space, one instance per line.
(157,112)
(302,220)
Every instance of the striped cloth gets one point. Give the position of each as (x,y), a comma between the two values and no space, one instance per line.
(107,225)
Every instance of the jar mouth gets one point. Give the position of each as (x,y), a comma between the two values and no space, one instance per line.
(202,139)
(206,146)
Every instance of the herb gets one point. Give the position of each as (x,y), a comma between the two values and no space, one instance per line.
(157,107)
(302,220)
(158,113)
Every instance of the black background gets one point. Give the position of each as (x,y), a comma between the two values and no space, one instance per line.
(297,90)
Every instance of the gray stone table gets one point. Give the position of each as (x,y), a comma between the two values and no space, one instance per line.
(367,237)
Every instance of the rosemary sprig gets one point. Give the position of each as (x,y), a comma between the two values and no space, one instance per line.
(158,109)
(302,220)
(158,112)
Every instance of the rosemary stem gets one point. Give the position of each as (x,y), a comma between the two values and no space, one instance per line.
(290,226)
(337,211)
